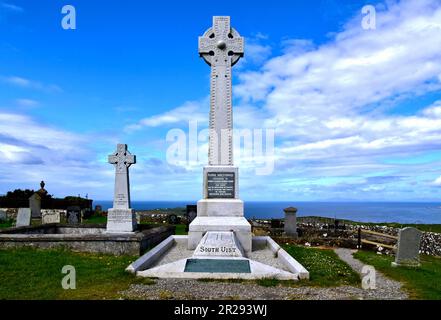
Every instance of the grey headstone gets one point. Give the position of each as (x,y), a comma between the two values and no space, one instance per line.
(291,222)
(73,215)
(23,217)
(408,251)
(191,213)
(35,205)
(50,216)
(2,215)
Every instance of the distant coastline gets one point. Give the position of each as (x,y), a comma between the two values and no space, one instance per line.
(400,212)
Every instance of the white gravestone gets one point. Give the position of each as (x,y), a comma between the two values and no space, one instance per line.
(408,251)
(50,216)
(121,218)
(220,209)
(23,217)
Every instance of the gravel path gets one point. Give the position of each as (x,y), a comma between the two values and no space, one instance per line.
(203,290)
(385,287)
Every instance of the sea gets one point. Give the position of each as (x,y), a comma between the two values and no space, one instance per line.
(400,212)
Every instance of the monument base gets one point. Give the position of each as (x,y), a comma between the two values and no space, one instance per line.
(172,259)
(239,225)
(220,207)
(121,221)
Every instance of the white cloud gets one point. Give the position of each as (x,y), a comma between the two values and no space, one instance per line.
(11,7)
(191,110)
(437,182)
(27,103)
(31,151)
(326,101)
(31,84)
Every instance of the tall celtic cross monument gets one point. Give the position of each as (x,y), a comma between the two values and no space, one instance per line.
(220,212)
(121,218)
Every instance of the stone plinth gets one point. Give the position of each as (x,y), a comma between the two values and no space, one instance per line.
(121,220)
(238,225)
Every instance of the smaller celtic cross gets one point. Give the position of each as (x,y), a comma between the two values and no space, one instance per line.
(122,159)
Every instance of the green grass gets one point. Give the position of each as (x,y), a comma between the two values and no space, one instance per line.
(421,283)
(29,273)
(180,229)
(96,219)
(36,274)
(6,224)
(324,266)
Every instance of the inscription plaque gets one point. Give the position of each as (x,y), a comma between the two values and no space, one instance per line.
(217,266)
(220,185)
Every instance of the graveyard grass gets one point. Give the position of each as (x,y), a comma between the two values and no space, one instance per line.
(6,224)
(36,274)
(29,273)
(324,266)
(421,283)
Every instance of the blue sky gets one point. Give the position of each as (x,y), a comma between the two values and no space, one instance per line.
(356,113)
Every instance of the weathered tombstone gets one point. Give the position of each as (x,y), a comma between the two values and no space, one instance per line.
(73,215)
(172,219)
(2,215)
(98,209)
(408,251)
(35,205)
(121,218)
(221,209)
(190,214)
(276,223)
(50,216)
(291,222)
(23,217)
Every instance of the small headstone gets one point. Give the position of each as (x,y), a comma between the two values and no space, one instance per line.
(23,217)
(408,251)
(73,215)
(173,219)
(291,222)
(35,205)
(276,223)
(191,212)
(50,216)
(2,215)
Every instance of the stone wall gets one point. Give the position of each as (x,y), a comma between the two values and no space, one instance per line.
(84,239)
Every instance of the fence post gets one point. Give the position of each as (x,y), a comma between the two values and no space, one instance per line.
(359,238)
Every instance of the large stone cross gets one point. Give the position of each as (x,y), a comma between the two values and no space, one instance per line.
(221,47)
(122,159)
